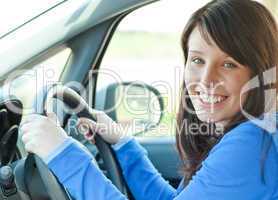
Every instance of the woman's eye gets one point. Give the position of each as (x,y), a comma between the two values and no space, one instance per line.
(229,65)
(197,61)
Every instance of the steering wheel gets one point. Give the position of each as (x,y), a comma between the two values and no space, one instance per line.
(78,106)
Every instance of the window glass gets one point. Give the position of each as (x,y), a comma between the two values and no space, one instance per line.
(25,84)
(17,12)
(146,48)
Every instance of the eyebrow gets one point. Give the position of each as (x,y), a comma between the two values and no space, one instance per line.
(201,52)
(195,51)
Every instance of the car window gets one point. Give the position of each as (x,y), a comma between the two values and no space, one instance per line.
(17,13)
(25,84)
(146,48)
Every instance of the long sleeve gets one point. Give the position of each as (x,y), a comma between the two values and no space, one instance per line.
(232,170)
(77,171)
(75,168)
(144,181)
(243,166)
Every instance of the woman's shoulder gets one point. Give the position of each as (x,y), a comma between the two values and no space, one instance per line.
(239,156)
(253,132)
(244,157)
(244,147)
(245,144)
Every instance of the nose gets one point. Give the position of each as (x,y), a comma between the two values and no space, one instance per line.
(209,75)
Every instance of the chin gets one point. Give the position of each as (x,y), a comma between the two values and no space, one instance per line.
(211,118)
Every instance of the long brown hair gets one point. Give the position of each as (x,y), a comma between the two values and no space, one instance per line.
(246,31)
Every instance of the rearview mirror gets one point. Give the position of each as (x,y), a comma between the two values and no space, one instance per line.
(134,103)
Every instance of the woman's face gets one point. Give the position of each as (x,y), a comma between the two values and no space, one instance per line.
(214,81)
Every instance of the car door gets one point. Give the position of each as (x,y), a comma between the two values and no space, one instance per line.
(145,49)
(104,40)
(58,43)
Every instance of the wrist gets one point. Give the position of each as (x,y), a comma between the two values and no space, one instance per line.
(122,134)
(121,142)
(51,154)
(50,148)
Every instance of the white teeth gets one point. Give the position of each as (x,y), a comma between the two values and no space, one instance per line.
(219,99)
(211,98)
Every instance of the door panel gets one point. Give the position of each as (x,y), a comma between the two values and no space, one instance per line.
(163,154)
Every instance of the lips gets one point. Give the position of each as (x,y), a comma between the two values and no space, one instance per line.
(211,100)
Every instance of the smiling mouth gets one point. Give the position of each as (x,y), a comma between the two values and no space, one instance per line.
(211,99)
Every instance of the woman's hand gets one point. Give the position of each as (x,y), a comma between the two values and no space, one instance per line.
(108,129)
(42,135)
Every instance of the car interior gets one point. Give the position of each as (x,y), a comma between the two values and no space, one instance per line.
(76,38)
(81,36)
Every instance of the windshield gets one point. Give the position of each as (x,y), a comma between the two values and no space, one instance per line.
(14,13)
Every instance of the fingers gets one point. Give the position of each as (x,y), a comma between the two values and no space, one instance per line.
(31,118)
(29,123)
(34,120)
(29,146)
(96,113)
(86,123)
(87,127)
(53,117)
(26,137)
(90,136)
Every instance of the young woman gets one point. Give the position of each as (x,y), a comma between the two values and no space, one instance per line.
(229,45)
